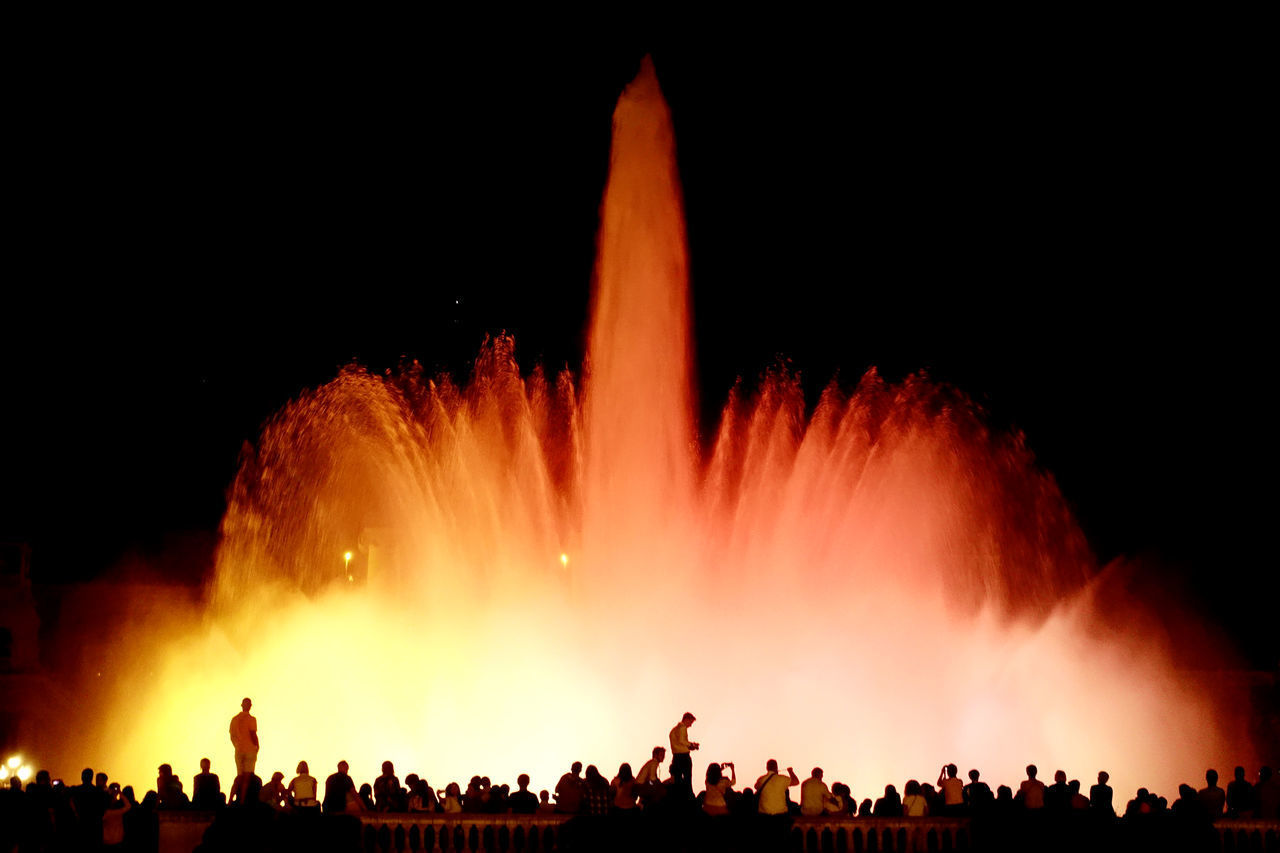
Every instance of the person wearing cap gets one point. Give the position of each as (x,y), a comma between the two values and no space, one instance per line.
(681,761)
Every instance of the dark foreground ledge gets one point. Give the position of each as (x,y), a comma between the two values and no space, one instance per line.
(187,831)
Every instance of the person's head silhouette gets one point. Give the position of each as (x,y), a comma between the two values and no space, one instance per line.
(1031,771)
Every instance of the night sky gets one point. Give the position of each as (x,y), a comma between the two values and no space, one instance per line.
(1063,218)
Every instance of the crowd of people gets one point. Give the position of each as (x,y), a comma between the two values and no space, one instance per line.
(100,814)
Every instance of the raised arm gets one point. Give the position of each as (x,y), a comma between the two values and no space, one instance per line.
(795,780)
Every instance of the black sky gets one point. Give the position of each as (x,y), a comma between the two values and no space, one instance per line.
(1063,218)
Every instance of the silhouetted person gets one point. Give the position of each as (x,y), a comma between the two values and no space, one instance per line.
(41,805)
(274,793)
(622,790)
(649,785)
(13,806)
(244,739)
(474,798)
(169,789)
(977,794)
(815,796)
(1005,804)
(246,793)
(681,760)
(715,798)
(498,795)
(1240,796)
(366,797)
(87,805)
(914,803)
(113,818)
(1187,806)
(844,797)
(1058,795)
(569,791)
(451,799)
(336,788)
(523,801)
(890,805)
(302,790)
(1031,791)
(1101,796)
(866,808)
(1142,804)
(1078,801)
(355,801)
(206,790)
(386,790)
(545,806)
(952,790)
(1267,792)
(771,789)
(1213,798)
(595,792)
(421,798)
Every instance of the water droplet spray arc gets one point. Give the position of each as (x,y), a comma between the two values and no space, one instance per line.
(546,571)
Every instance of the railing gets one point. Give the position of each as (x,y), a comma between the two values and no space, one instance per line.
(1263,835)
(438,833)
(879,834)
(480,833)
(383,832)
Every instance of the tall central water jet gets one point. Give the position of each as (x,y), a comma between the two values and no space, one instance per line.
(546,575)
(639,455)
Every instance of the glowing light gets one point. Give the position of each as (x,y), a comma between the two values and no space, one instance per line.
(15,762)
(887,559)
(24,773)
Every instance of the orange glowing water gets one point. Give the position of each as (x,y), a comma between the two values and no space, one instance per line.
(543,572)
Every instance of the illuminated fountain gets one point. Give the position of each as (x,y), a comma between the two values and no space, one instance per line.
(522,571)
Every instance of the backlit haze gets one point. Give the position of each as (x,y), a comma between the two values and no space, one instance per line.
(549,568)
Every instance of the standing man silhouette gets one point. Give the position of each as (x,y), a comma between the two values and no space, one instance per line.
(681,761)
(244,737)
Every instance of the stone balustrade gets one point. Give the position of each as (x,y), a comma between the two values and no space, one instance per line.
(382,832)
(1250,835)
(879,834)
(438,832)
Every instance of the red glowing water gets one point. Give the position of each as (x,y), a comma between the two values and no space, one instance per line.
(542,572)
